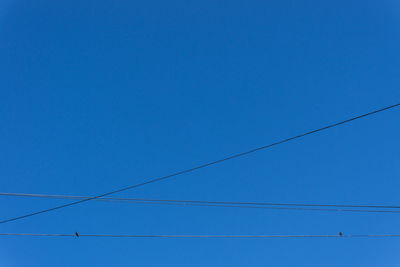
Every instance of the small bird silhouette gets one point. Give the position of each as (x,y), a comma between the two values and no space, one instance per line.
(76,234)
(340,233)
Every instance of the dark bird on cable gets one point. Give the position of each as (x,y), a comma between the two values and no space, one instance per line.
(76,234)
(340,233)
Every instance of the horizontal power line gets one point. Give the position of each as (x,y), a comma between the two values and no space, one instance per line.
(202,236)
(229,204)
(241,154)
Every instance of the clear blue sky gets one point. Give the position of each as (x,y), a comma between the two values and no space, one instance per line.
(97,95)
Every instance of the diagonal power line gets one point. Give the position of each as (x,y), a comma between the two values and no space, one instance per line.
(204,165)
(201,236)
(229,204)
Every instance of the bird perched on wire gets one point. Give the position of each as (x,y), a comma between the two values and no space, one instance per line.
(76,234)
(340,234)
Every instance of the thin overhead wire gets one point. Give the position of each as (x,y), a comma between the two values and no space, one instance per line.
(203,165)
(202,236)
(228,204)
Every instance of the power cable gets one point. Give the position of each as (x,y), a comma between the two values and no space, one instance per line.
(202,236)
(229,204)
(203,165)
